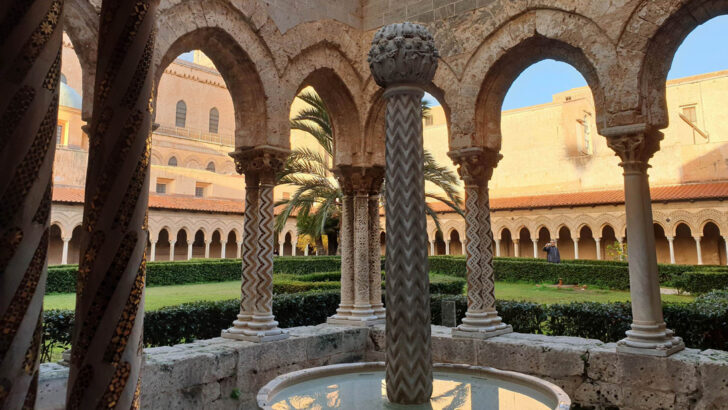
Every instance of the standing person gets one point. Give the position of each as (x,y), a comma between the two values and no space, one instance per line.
(552,252)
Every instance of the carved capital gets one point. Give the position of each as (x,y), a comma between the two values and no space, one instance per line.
(403,53)
(262,162)
(360,180)
(633,144)
(475,165)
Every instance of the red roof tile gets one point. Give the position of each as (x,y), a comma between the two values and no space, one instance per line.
(718,190)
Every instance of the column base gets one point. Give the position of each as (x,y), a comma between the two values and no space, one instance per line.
(650,340)
(481,325)
(355,321)
(379,311)
(256,337)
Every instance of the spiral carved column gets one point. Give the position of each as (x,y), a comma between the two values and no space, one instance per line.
(356,283)
(107,342)
(481,320)
(256,323)
(403,59)
(635,145)
(30,46)
(249,256)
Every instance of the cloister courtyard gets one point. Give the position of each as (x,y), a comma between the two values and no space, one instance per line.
(147,263)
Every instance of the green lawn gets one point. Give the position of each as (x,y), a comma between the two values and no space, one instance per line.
(157,297)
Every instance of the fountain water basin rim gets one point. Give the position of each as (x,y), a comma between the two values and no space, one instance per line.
(548,393)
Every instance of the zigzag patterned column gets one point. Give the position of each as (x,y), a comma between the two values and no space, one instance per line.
(402,58)
(107,343)
(30,46)
(481,320)
(260,166)
(249,256)
(375,253)
(649,335)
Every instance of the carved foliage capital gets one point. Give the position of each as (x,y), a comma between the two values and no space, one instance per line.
(260,163)
(360,180)
(475,165)
(634,145)
(403,53)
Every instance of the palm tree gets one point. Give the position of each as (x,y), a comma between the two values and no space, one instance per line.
(317,199)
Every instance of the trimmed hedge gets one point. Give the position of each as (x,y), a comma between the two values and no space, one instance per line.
(702,324)
(700,281)
(605,274)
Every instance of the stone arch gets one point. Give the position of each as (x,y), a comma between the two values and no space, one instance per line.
(337,84)
(374,126)
(243,60)
(81,24)
(656,39)
(527,38)
(678,217)
(192,162)
(711,215)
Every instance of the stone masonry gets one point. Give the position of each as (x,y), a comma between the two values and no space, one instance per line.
(226,374)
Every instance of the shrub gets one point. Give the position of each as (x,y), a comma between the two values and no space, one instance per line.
(702,324)
(701,281)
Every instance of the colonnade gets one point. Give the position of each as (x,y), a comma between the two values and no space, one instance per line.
(361,290)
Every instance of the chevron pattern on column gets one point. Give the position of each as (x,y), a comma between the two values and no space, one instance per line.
(474,262)
(486,251)
(408,350)
(29,77)
(106,358)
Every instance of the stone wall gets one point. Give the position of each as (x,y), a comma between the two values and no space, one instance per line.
(377,13)
(209,373)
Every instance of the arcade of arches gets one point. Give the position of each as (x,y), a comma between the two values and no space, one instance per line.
(266,53)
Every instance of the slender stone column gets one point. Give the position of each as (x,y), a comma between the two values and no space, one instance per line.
(670,242)
(30,46)
(402,59)
(432,247)
(305,253)
(635,145)
(535,247)
(207,249)
(107,342)
(343,313)
(725,241)
(256,322)
(447,247)
(576,247)
(189,248)
(356,253)
(64,255)
(249,258)
(599,248)
(698,249)
(281,247)
(516,248)
(238,249)
(497,248)
(223,245)
(171,250)
(475,166)
(153,250)
(375,250)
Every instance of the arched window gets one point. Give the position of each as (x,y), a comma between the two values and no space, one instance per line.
(210,166)
(181,117)
(214,120)
(172,162)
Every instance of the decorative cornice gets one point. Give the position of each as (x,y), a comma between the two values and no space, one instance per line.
(172,71)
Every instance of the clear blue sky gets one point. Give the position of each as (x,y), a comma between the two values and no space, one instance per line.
(703,51)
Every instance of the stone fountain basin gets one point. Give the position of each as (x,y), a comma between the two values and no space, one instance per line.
(456,386)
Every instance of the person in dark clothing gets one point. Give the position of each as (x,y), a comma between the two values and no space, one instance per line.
(552,252)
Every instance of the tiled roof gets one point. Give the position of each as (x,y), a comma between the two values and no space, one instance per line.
(686,192)
(185,203)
